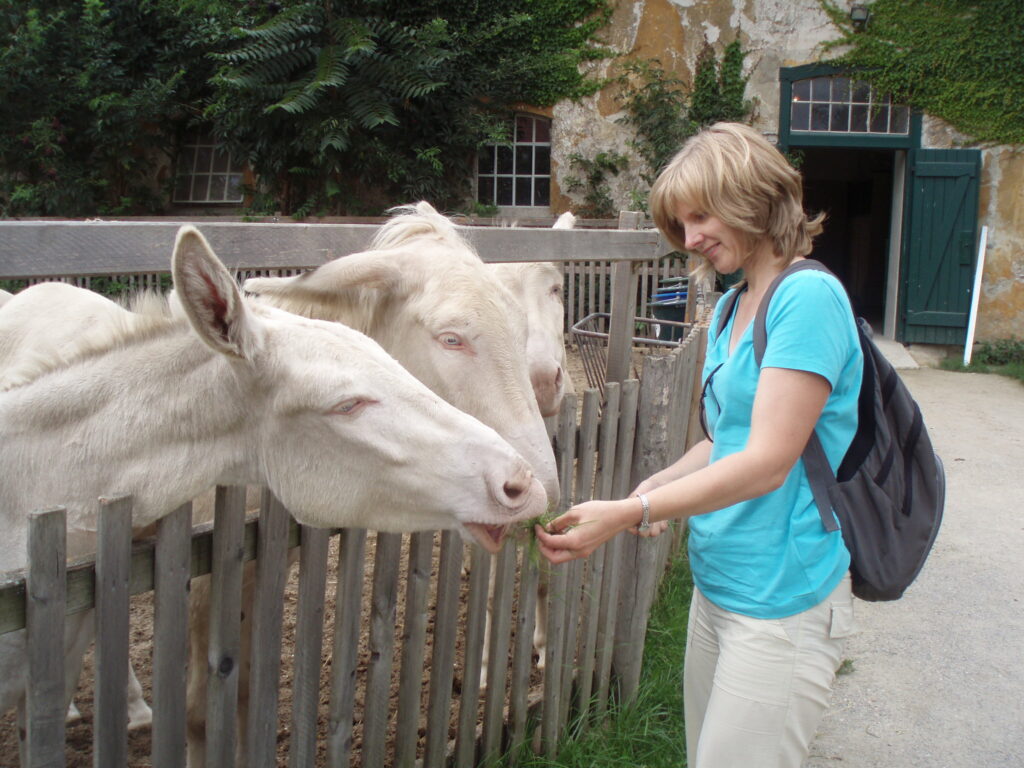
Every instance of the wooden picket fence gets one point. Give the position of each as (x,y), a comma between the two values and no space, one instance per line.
(440,716)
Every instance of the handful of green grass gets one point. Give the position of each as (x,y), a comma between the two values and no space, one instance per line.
(527,532)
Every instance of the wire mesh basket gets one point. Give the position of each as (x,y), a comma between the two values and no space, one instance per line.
(590,335)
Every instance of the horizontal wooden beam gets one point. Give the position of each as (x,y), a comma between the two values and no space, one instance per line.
(34,249)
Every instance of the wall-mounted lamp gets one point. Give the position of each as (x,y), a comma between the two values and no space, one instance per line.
(859,15)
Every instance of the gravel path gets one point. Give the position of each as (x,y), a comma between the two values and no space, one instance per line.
(937,677)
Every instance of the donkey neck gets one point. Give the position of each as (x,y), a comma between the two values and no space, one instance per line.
(161,420)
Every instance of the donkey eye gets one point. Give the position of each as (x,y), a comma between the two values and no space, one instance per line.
(451,340)
(350,407)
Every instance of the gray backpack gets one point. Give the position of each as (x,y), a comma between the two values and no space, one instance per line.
(889,491)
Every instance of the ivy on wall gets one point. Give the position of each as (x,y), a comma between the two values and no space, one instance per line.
(959,60)
(664,111)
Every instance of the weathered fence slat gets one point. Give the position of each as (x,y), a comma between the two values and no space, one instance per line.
(308,649)
(607,553)
(574,578)
(585,481)
(225,629)
(170,633)
(414,637)
(383,619)
(522,652)
(442,661)
(44,637)
(473,645)
(265,644)
(345,648)
(110,729)
(503,577)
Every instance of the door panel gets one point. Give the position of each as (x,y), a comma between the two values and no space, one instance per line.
(939,244)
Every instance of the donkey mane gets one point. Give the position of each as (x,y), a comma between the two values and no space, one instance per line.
(411,222)
(147,315)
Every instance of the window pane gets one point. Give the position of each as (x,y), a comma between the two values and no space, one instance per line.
(879,119)
(524,187)
(900,120)
(819,117)
(485,159)
(504,159)
(841,89)
(840,118)
(821,88)
(204,159)
(524,159)
(234,192)
(542,161)
(220,161)
(543,131)
(218,185)
(504,191)
(802,90)
(861,92)
(801,117)
(859,118)
(542,192)
(200,187)
(524,128)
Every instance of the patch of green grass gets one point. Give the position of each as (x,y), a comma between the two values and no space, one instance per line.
(648,732)
(1015,370)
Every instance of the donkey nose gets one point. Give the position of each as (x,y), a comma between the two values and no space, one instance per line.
(517,489)
(547,389)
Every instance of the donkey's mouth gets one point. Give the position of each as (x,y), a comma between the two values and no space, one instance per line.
(489,536)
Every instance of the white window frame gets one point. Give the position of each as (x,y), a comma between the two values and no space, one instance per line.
(514,176)
(845,104)
(207,173)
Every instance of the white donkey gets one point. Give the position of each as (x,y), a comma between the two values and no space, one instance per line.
(237,394)
(538,288)
(424,294)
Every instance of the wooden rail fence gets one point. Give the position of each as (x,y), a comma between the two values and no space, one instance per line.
(597,615)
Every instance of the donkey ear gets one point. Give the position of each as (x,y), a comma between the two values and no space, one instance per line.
(566,221)
(210,297)
(328,284)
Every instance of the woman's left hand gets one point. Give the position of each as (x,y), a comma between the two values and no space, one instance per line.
(584,528)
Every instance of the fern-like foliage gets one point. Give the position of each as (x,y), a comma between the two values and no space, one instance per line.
(387,99)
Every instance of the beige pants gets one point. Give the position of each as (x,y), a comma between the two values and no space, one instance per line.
(754,690)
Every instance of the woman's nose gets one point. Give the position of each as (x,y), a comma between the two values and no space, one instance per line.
(691,238)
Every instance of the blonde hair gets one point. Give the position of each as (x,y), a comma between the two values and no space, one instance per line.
(733,173)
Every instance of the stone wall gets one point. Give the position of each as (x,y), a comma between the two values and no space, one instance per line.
(776,34)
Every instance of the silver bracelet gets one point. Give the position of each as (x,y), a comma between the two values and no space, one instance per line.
(645,521)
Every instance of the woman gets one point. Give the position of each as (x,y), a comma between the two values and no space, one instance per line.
(772,602)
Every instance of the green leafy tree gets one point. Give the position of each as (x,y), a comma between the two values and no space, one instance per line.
(345,107)
(93,91)
(959,60)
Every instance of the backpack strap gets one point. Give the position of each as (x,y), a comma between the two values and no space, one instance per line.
(819,472)
(729,302)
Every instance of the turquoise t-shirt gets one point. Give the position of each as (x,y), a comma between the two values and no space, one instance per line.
(771,557)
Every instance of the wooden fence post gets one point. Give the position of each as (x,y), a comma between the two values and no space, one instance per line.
(110,731)
(265,656)
(170,637)
(46,588)
(225,626)
(623,309)
(345,646)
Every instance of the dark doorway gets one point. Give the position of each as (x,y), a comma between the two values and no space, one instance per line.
(854,187)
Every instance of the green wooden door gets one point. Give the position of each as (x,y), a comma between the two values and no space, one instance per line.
(939,244)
